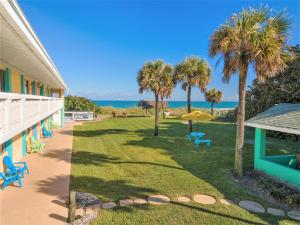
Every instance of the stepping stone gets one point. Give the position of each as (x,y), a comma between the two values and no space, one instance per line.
(294,214)
(252,206)
(183,199)
(158,199)
(226,201)
(275,212)
(140,201)
(108,205)
(126,202)
(204,199)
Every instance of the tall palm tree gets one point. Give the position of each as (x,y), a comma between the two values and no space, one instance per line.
(166,91)
(251,37)
(192,72)
(213,96)
(154,76)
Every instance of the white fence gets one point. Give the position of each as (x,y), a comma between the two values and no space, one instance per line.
(19,112)
(78,116)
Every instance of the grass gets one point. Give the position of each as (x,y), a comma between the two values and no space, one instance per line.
(120,158)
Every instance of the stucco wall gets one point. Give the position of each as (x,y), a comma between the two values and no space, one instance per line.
(16,81)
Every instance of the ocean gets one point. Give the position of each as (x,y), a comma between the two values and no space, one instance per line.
(171,104)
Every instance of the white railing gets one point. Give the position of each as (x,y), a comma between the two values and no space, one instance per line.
(79,116)
(19,112)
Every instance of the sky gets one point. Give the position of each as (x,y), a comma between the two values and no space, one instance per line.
(98,46)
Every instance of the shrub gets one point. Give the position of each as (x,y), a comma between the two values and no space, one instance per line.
(279,191)
(77,103)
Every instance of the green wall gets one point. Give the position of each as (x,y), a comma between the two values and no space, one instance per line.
(273,165)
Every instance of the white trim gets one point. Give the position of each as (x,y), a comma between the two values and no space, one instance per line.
(15,12)
(274,128)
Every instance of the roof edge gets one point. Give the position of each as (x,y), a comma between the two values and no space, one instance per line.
(274,128)
(16,13)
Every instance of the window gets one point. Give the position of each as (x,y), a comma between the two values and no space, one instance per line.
(33,88)
(2,80)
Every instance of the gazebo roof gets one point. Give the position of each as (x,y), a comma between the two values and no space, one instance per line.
(284,117)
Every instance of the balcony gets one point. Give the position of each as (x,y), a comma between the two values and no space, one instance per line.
(19,112)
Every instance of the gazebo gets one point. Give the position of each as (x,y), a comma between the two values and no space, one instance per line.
(285,118)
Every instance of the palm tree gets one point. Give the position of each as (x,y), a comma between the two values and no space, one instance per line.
(154,76)
(213,96)
(192,72)
(252,37)
(166,91)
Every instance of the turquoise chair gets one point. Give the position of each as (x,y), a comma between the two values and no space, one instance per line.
(18,167)
(47,133)
(10,179)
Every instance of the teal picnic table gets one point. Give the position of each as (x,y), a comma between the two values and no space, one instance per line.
(196,136)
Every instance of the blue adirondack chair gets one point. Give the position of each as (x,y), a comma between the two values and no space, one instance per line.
(10,179)
(18,167)
(47,133)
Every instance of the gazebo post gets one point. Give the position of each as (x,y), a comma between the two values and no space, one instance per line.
(260,145)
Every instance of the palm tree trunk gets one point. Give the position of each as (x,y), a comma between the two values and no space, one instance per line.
(162,107)
(238,162)
(156,116)
(189,108)
(212,108)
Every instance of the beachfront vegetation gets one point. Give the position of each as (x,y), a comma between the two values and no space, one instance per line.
(119,159)
(282,88)
(77,103)
(213,96)
(192,72)
(251,37)
(145,105)
(220,114)
(157,77)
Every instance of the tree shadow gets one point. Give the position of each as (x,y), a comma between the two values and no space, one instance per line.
(90,158)
(58,217)
(213,164)
(216,213)
(94,133)
(104,190)
(59,154)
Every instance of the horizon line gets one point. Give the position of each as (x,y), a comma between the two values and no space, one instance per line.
(153,100)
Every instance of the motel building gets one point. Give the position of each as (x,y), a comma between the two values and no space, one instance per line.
(31,88)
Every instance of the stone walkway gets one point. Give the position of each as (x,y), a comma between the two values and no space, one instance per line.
(41,200)
(250,206)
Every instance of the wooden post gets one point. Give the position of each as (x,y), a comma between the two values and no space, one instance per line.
(72,207)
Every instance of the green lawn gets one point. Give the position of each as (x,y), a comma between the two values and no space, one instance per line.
(120,158)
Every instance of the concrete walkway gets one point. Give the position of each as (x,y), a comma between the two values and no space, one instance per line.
(42,198)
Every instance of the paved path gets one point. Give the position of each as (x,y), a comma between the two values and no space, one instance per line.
(41,201)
